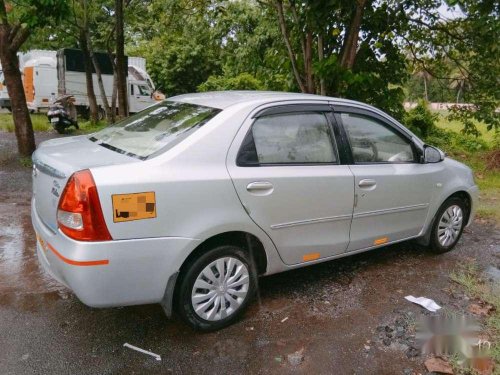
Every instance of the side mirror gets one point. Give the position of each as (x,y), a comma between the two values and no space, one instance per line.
(432,154)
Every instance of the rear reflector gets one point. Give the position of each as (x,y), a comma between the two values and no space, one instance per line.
(79,213)
(70,219)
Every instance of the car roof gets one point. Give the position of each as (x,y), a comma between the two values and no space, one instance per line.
(225,99)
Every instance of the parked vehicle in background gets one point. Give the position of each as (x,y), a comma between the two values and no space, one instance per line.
(62,114)
(39,78)
(4,94)
(72,81)
(188,201)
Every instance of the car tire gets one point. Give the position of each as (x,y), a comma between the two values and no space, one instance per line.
(61,129)
(202,308)
(447,228)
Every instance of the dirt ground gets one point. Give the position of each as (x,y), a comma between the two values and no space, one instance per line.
(346,316)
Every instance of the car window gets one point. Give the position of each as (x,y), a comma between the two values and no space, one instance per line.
(143,90)
(155,129)
(298,138)
(373,142)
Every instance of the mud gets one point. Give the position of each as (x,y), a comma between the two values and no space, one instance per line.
(344,317)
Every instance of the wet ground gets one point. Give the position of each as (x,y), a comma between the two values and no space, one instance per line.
(343,317)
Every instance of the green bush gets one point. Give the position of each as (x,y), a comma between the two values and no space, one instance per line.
(421,120)
(453,142)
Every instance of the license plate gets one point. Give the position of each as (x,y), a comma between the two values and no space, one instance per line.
(54,120)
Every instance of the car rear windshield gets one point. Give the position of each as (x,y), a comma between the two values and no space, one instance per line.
(154,130)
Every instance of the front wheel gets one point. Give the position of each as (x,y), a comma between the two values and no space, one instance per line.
(216,288)
(448,225)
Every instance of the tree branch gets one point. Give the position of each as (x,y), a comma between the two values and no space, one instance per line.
(350,47)
(18,40)
(297,22)
(284,31)
(13,31)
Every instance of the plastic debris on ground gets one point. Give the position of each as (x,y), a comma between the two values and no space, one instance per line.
(154,355)
(427,303)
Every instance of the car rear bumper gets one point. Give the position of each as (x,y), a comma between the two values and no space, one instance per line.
(112,273)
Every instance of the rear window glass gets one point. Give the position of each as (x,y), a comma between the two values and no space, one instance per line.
(155,129)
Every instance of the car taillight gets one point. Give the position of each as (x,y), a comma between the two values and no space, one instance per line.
(79,213)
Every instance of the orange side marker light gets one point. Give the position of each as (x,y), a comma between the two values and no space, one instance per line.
(381,241)
(311,256)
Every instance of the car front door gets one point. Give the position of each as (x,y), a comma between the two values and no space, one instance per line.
(393,189)
(285,167)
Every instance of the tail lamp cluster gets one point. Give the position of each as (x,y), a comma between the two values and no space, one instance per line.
(79,213)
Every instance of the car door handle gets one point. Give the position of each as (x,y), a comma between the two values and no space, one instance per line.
(260,187)
(367,183)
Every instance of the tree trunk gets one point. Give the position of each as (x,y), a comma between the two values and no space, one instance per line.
(321,56)
(20,114)
(102,90)
(121,67)
(426,95)
(97,68)
(308,63)
(87,60)
(350,46)
(114,95)
(460,87)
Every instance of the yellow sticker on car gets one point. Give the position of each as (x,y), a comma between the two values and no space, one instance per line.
(135,206)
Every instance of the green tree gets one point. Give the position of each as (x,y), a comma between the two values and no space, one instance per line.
(463,49)
(243,81)
(344,48)
(18,21)
(179,47)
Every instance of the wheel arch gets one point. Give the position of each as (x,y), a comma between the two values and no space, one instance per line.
(462,194)
(247,241)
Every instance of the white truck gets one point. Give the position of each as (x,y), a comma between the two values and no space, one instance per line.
(71,80)
(39,78)
(48,74)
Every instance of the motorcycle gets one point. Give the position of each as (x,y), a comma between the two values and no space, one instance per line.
(62,113)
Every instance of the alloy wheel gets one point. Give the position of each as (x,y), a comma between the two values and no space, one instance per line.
(220,289)
(450,225)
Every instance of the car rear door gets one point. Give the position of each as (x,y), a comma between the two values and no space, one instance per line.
(285,167)
(392,188)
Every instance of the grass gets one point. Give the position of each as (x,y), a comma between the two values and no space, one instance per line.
(41,124)
(457,126)
(470,278)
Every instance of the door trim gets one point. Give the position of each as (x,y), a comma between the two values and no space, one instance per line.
(414,207)
(311,221)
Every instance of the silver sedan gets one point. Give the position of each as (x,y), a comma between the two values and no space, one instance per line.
(187,202)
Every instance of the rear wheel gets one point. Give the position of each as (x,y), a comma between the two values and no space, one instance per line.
(61,129)
(448,225)
(216,288)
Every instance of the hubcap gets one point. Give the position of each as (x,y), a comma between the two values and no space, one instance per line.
(450,225)
(220,289)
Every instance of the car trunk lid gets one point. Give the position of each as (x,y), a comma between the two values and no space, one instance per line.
(53,164)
